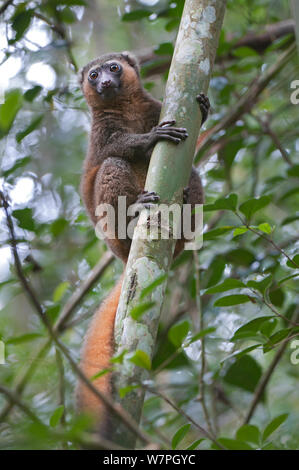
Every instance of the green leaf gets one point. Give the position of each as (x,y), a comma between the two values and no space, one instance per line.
(179,435)
(225,203)
(240,231)
(279,336)
(240,257)
(9,110)
(262,285)
(265,227)
(245,51)
(251,206)
(244,373)
(241,353)
(195,444)
(32,93)
(232,444)
(56,416)
(141,359)
(166,48)
(21,22)
(201,334)
(67,15)
(226,285)
(251,328)
(248,433)
(157,282)
(274,424)
(120,358)
(125,390)
(99,374)
(32,126)
(294,171)
(58,226)
(25,219)
(178,333)
(19,164)
(60,291)
(294,263)
(217,232)
(215,271)
(136,15)
(140,309)
(28,337)
(230,300)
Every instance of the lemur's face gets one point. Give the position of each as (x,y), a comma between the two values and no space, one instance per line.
(103,81)
(106,78)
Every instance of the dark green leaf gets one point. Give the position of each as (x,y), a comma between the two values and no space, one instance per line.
(9,110)
(244,373)
(179,435)
(32,93)
(294,264)
(251,328)
(251,206)
(273,425)
(21,22)
(178,333)
(140,309)
(141,359)
(32,126)
(166,48)
(232,300)
(217,232)
(157,282)
(56,416)
(135,15)
(225,203)
(248,433)
(25,219)
(226,285)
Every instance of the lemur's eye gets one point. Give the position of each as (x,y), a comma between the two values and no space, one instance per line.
(114,68)
(93,75)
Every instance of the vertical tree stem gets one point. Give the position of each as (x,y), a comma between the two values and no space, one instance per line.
(168,174)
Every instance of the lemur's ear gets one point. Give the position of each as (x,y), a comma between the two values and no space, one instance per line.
(131,59)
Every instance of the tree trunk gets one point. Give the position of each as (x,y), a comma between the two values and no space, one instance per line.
(168,174)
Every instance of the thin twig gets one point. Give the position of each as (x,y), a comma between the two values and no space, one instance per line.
(266,377)
(182,413)
(108,402)
(13,397)
(5,6)
(247,100)
(84,287)
(202,340)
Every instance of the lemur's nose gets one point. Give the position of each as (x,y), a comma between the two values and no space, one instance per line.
(106,83)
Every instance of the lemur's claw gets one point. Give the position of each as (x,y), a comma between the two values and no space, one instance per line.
(204,105)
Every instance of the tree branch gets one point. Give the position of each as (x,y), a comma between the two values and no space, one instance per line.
(190,71)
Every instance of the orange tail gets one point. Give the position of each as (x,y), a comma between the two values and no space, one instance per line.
(98,348)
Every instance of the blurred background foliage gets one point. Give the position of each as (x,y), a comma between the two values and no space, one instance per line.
(225,360)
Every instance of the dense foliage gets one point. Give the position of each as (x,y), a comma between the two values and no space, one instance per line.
(226,359)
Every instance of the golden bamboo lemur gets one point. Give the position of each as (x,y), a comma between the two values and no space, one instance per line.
(124,131)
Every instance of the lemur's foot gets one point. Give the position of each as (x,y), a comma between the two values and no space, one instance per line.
(147,198)
(204,105)
(186,193)
(166,131)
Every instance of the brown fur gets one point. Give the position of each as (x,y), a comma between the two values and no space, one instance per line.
(96,354)
(116,165)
